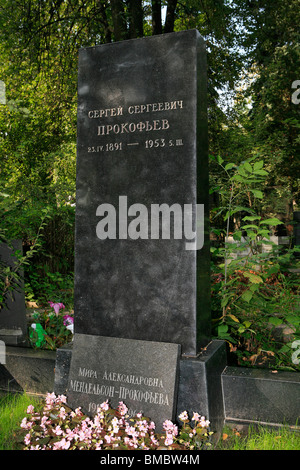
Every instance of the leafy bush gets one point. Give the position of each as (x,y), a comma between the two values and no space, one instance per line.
(51,329)
(42,284)
(253,288)
(58,427)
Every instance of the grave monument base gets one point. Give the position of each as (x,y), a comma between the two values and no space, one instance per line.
(199,382)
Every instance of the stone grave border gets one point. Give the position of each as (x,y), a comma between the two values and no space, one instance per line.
(222,393)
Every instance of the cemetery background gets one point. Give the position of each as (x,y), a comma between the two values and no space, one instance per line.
(49,181)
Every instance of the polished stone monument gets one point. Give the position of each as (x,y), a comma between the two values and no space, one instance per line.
(141,169)
(142,234)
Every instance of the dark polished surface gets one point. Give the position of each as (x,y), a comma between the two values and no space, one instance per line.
(142,133)
(142,374)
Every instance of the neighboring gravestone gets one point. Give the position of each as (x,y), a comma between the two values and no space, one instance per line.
(296,234)
(142,153)
(2,93)
(13,326)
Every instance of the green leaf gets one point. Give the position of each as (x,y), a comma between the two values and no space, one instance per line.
(258,165)
(257,193)
(222,329)
(255,278)
(293,320)
(238,178)
(247,295)
(272,221)
(242,171)
(275,321)
(251,217)
(248,167)
(260,172)
(246,227)
(229,166)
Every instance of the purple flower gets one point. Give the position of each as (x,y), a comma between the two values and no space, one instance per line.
(56,306)
(68,320)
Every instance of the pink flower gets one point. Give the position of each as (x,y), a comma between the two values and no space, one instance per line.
(204,423)
(56,306)
(169,440)
(50,398)
(68,320)
(122,408)
(61,399)
(62,413)
(63,444)
(143,426)
(170,427)
(104,406)
(26,424)
(44,421)
(183,416)
(30,409)
(196,417)
(58,431)
(154,440)
(27,439)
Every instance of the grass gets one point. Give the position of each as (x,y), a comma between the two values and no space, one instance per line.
(13,409)
(260,438)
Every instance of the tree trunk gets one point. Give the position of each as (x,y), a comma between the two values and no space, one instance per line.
(170,17)
(136,16)
(119,20)
(103,20)
(156,17)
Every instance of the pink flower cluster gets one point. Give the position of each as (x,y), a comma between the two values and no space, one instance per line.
(171,432)
(58,427)
(56,306)
(68,320)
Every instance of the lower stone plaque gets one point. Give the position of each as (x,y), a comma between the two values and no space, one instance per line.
(141,374)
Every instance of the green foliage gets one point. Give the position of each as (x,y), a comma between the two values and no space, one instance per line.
(42,284)
(10,276)
(258,295)
(50,331)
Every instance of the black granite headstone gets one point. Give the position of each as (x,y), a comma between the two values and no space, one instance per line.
(13,326)
(141,170)
(142,283)
(141,374)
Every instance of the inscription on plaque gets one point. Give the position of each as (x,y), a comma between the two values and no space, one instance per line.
(141,374)
(120,127)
